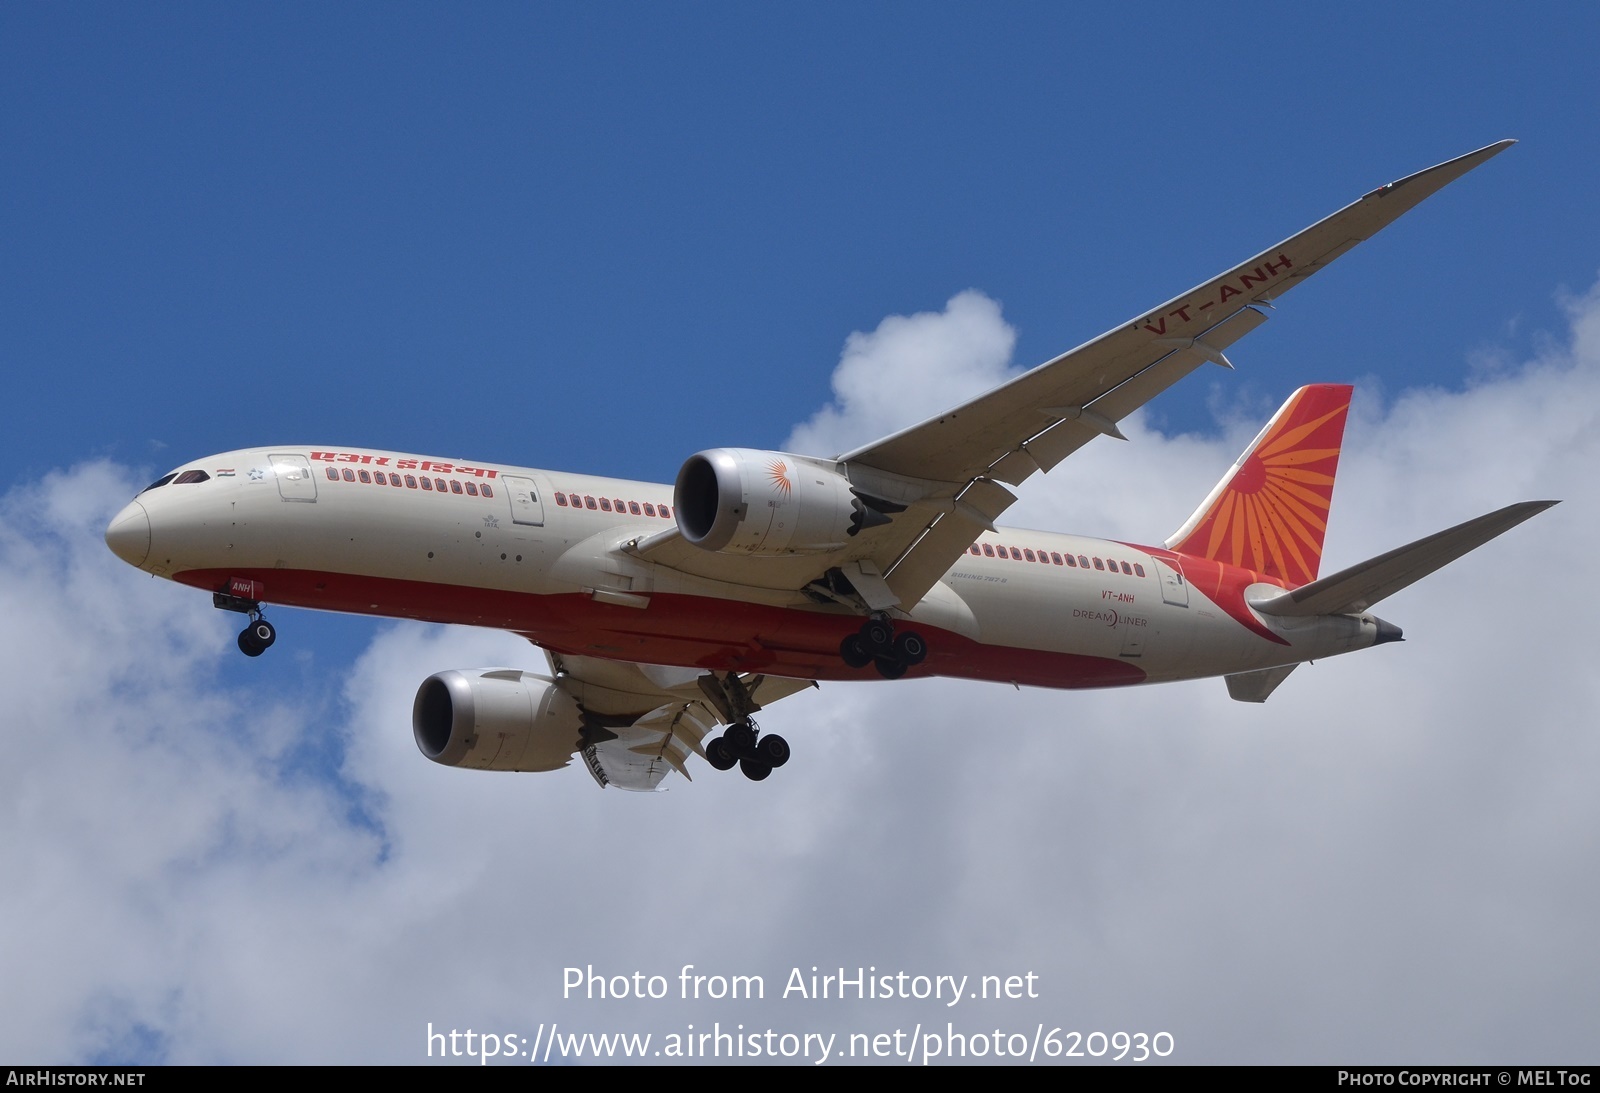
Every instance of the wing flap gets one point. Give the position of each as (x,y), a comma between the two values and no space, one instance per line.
(643,720)
(637,757)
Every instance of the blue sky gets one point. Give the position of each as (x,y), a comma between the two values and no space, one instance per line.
(500,227)
(603,237)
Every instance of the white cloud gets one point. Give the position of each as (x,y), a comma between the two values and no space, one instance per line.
(1387,862)
(910,368)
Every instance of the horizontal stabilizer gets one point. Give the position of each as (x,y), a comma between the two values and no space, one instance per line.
(1256,686)
(1361,586)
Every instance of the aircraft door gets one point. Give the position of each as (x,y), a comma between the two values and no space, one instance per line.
(523,495)
(293,473)
(1174,589)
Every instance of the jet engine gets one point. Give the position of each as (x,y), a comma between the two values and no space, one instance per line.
(741,501)
(495,719)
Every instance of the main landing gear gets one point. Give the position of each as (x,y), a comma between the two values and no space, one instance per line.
(877,643)
(738,745)
(756,758)
(256,638)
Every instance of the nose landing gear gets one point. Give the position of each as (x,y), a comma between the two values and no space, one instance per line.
(878,643)
(258,637)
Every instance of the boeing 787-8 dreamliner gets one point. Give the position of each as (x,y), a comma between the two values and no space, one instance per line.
(666,612)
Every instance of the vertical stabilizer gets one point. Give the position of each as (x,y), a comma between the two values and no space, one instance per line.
(1270,511)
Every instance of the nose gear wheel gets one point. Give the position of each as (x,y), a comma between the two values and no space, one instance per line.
(258,637)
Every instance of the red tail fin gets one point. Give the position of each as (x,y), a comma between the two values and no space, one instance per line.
(1270,512)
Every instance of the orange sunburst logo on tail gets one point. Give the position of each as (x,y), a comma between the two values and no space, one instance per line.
(1271,513)
(778,473)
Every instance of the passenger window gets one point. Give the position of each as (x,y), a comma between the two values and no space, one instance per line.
(1056,558)
(411,481)
(988,550)
(1098,564)
(1072,561)
(438,485)
(649,509)
(455,487)
(1027,554)
(1083,561)
(1138,569)
(1128,569)
(974,550)
(472,489)
(427,485)
(588,502)
(488,490)
(333,475)
(633,507)
(349,475)
(605,504)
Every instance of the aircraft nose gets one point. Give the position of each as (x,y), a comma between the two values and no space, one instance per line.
(128,534)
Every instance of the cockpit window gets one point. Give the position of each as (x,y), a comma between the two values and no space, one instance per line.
(162,481)
(189,477)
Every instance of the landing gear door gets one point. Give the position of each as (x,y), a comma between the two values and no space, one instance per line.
(526,505)
(293,473)
(1174,589)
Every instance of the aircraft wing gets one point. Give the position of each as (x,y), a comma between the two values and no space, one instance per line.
(951,471)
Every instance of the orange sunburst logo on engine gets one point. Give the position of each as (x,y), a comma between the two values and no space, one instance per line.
(1273,515)
(778,472)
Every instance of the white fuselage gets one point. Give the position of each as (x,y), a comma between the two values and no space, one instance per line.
(548,555)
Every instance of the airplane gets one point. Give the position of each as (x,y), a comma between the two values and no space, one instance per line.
(667,612)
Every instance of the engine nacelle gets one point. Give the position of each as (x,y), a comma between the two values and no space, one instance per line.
(495,719)
(742,501)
